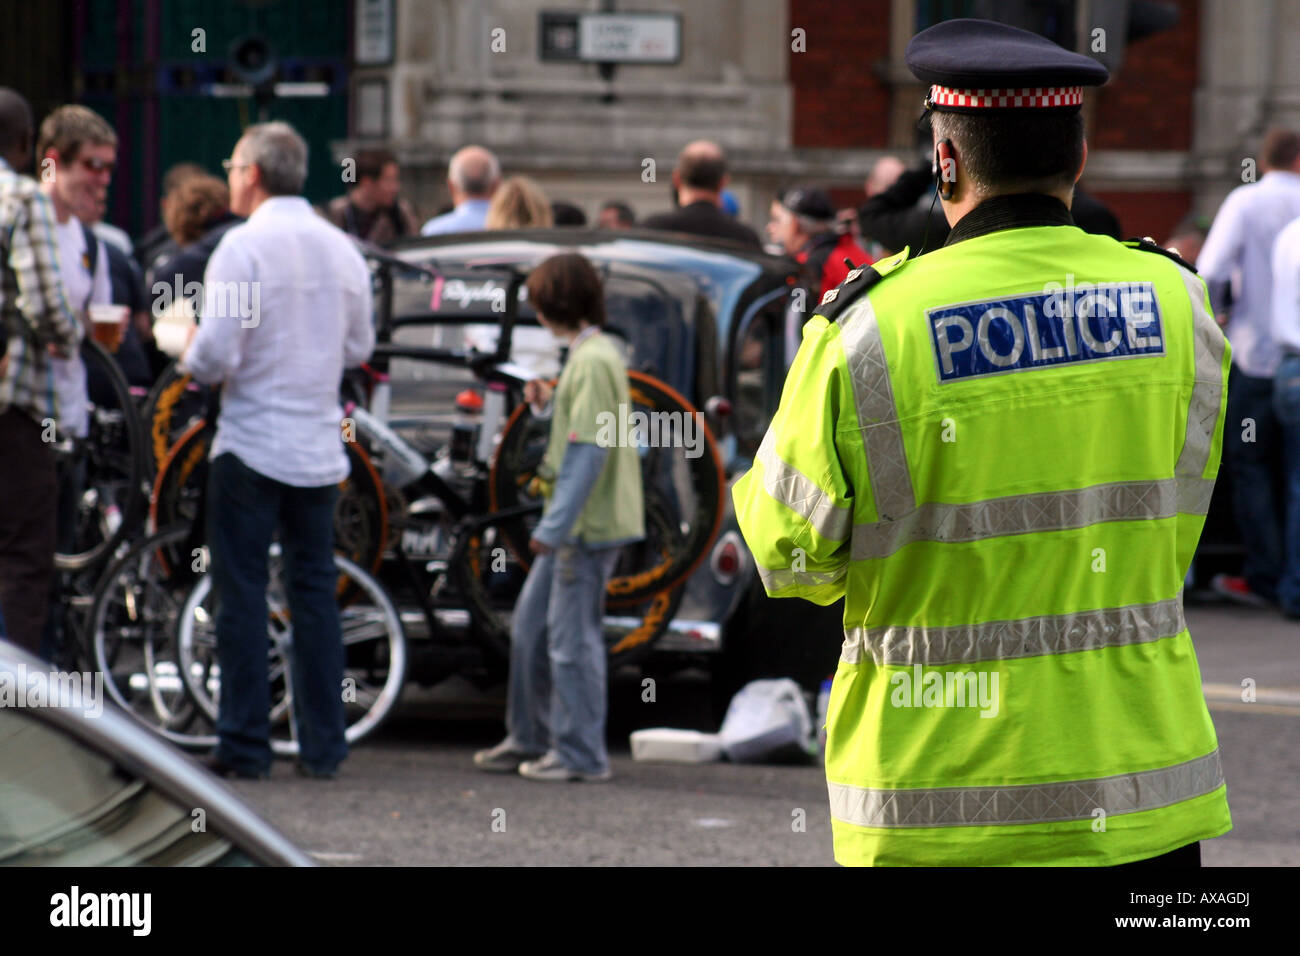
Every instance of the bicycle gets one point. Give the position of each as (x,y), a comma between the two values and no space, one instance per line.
(152,624)
(486,521)
(103,473)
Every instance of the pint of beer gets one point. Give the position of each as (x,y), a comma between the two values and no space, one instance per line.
(108,324)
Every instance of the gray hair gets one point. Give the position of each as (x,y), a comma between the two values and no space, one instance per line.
(280,153)
(474,170)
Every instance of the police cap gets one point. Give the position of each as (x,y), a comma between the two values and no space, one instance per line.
(977,65)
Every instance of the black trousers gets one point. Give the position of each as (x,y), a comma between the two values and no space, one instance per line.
(1189,855)
(28,490)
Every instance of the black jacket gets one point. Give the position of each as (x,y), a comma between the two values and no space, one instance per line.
(897,217)
(703,218)
(191,260)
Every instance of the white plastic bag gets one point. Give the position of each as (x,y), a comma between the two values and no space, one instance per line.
(767,720)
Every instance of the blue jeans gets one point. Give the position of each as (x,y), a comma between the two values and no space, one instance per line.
(244,510)
(558,697)
(1254,469)
(1286,402)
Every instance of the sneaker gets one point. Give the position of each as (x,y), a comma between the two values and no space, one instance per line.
(1236,589)
(551,770)
(503,758)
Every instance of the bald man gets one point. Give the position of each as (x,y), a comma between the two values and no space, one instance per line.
(472,177)
(883,174)
(699,179)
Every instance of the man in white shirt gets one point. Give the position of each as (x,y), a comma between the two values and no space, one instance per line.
(1238,255)
(472,177)
(1286,402)
(76,155)
(286,308)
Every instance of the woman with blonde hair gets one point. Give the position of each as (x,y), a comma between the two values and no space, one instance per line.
(519,203)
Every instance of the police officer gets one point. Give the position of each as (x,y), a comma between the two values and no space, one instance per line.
(1000,454)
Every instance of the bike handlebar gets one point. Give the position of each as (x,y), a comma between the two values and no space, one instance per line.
(484,365)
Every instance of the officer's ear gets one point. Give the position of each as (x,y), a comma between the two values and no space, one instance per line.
(1083,161)
(945,169)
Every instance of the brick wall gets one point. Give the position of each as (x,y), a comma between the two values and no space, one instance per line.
(1148,102)
(838,99)
(1153,214)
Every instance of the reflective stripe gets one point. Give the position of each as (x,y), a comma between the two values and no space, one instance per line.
(1006,640)
(775,580)
(1207,392)
(1035,803)
(1039,511)
(802,495)
(882,436)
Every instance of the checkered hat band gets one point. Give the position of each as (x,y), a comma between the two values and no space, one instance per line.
(993,99)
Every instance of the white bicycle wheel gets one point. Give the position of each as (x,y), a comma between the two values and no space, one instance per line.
(373,642)
(131,629)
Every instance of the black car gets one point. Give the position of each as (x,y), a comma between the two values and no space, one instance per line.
(712,319)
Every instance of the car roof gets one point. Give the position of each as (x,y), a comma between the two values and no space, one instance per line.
(647,245)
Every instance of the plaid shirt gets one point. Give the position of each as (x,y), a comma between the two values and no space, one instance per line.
(33,305)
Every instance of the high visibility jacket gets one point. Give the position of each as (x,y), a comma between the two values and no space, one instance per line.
(1001,455)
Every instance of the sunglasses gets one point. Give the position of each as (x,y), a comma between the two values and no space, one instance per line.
(97,165)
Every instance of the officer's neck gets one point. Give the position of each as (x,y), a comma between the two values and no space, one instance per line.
(967,199)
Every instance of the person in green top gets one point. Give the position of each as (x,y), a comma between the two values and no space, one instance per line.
(556,701)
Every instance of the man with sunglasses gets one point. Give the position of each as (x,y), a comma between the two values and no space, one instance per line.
(76,153)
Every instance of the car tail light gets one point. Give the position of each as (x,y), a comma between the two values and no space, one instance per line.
(726,558)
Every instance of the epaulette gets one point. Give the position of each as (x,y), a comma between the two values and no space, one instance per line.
(857,282)
(1147,244)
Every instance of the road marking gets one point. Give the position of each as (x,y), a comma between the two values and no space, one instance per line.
(334,857)
(712,823)
(1283,699)
(1256,708)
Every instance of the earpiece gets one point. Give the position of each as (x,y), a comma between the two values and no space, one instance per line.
(944,187)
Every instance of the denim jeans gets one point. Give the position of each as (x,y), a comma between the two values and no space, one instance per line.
(1254,469)
(245,509)
(1286,402)
(557,697)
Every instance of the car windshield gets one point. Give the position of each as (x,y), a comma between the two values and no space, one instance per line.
(62,804)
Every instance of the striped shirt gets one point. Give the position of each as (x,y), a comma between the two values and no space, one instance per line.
(33,305)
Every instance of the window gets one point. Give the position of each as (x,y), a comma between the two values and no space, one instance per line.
(62,804)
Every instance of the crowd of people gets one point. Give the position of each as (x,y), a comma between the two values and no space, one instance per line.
(1250,261)
(277,458)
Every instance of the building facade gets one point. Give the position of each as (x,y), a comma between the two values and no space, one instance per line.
(808,91)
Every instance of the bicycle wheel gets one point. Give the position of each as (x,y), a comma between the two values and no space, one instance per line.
(360,517)
(373,640)
(689,487)
(101,476)
(490,577)
(132,631)
(174,402)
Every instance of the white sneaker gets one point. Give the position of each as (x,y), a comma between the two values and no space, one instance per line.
(503,758)
(550,769)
